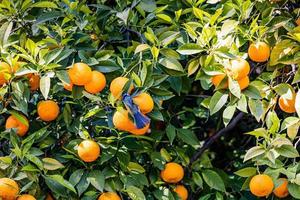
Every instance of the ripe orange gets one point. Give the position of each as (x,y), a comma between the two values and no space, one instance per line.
(298,21)
(5,72)
(117,85)
(259,52)
(9,189)
(34,81)
(141,131)
(48,110)
(88,150)
(68,87)
(261,185)
(121,120)
(182,192)
(80,74)
(109,196)
(97,83)
(217,79)
(282,190)
(26,197)
(287,105)
(239,69)
(244,82)
(172,173)
(144,101)
(14,122)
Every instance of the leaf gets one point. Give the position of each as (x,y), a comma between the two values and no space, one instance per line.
(288,122)
(45,84)
(256,108)
(228,114)
(132,166)
(288,151)
(197,179)
(188,137)
(52,164)
(246,172)
(234,88)
(44,4)
(283,89)
(213,180)
(135,193)
(60,180)
(97,179)
(164,17)
(171,63)
(252,92)
(76,176)
(193,66)
(293,130)
(171,132)
(189,49)
(217,101)
(294,190)
(242,104)
(254,152)
(141,48)
(297,103)
(63,76)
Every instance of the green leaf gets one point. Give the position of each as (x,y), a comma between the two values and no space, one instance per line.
(45,84)
(141,48)
(254,152)
(242,104)
(76,176)
(188,137)
(256,108)
(63,76)
(252,92)
(97,179)
(217,101)
(193,66)
(294,190)
(164,17)
(60,180)
(171,63)
(189,49)
(228,114)
(283,89)
(135,193)
(234,88)
(197,179)
(213,180)
(288,122)
(171,132)
(246,172)
(132,166)
(288,151)
(44,4)
(52,164)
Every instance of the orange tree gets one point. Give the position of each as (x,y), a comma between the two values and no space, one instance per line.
(149,99)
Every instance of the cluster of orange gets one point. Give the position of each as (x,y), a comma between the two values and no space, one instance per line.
(6,72)
(239,68)
(121,118)
(82,75)
(262,186)
(174,173)
(9,190)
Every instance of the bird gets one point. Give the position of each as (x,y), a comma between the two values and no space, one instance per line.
(140,119)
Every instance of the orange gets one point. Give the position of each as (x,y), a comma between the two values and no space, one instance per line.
(109,196)
(88,150)
(244,82)
(261,185)
(182,192)
(5,72)
(68,87)
(9,189)
(34,81)
(141,131)
(217,79)
(48,110)
(172,173)
(298,21)
(121,120)
(287,105)
(282,190)
(117,85)
(14,122)
(97,83)
(80,74)
(259,52)
(26,197)
(239,69)
(145,102)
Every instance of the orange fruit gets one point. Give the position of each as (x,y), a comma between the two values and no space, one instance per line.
(34,81)
(172,173)
(117,85)
(141,131)
(5,72)
(217,79)
(182,192)
(26,197)
(14,122)
(298,21)
(144,101)
(80,74)
(97,83)
(68,87)
(239,69)
(259,52)
(261,185)
(48,110)
(9,189)
(282,190)
(287,105)
(88,150)
(244,82)
(109,196)
(121,120)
